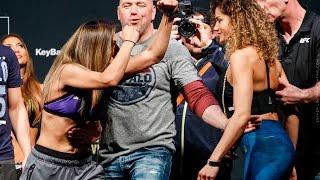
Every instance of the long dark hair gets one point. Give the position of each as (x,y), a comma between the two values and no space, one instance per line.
(31,90)
(91,47)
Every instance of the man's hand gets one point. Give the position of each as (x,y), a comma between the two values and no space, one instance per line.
(208,172)
(290,94)
(167,6)
(203,35)
(87,134)
(24,162)
(253,123)
(200,40)
(130,32)
(174,30)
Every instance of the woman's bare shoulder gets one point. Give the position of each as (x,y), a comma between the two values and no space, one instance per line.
(247,55)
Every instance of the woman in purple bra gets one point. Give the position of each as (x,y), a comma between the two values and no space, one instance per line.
(248,87)
(89,62)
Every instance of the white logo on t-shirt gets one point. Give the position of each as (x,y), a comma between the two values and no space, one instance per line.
(304,40)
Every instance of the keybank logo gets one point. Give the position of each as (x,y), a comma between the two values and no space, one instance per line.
(47,52)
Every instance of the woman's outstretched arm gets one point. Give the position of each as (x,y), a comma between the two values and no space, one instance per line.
(157,48)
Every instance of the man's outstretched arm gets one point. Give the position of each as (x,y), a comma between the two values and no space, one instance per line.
(203,104)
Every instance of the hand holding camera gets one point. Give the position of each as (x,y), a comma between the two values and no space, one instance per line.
(185,27)
(203,35)
(174,31)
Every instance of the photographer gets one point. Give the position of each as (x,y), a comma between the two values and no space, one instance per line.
(195,139)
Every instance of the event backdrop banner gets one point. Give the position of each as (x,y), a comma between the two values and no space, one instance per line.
(46,25)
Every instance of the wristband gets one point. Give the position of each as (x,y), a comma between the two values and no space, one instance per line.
(214,163)
(134,43)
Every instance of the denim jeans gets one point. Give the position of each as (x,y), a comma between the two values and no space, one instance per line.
(269,152)
(317,177)
(152,163)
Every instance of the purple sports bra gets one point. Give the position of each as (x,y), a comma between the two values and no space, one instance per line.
(67,105)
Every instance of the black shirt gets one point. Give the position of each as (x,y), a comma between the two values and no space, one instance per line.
(299,58)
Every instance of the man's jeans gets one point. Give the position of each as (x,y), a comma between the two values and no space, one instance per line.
(152,163)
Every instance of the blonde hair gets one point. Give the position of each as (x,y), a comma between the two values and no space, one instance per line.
(91,47)
(31,90)
(250,28)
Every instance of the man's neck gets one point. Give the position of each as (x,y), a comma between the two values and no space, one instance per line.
(291,23)
(147,34)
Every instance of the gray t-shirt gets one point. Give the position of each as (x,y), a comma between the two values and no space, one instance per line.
(140,110)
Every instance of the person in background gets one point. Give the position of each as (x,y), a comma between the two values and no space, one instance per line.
(248,87)
(89,62)
(31,91)
(195,139)
(299,35)
(13,114)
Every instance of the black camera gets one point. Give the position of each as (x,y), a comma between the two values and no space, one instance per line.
(185,27)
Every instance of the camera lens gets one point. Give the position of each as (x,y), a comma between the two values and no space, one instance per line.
(186,28)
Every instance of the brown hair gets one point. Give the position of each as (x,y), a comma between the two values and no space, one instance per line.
(31,90)
(91,47)
(250,28)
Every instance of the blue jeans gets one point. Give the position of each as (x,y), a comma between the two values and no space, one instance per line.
(269,152)
(152,163)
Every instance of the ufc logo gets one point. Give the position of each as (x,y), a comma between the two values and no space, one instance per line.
(304,40)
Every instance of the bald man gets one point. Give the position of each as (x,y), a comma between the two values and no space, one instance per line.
(138,138)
